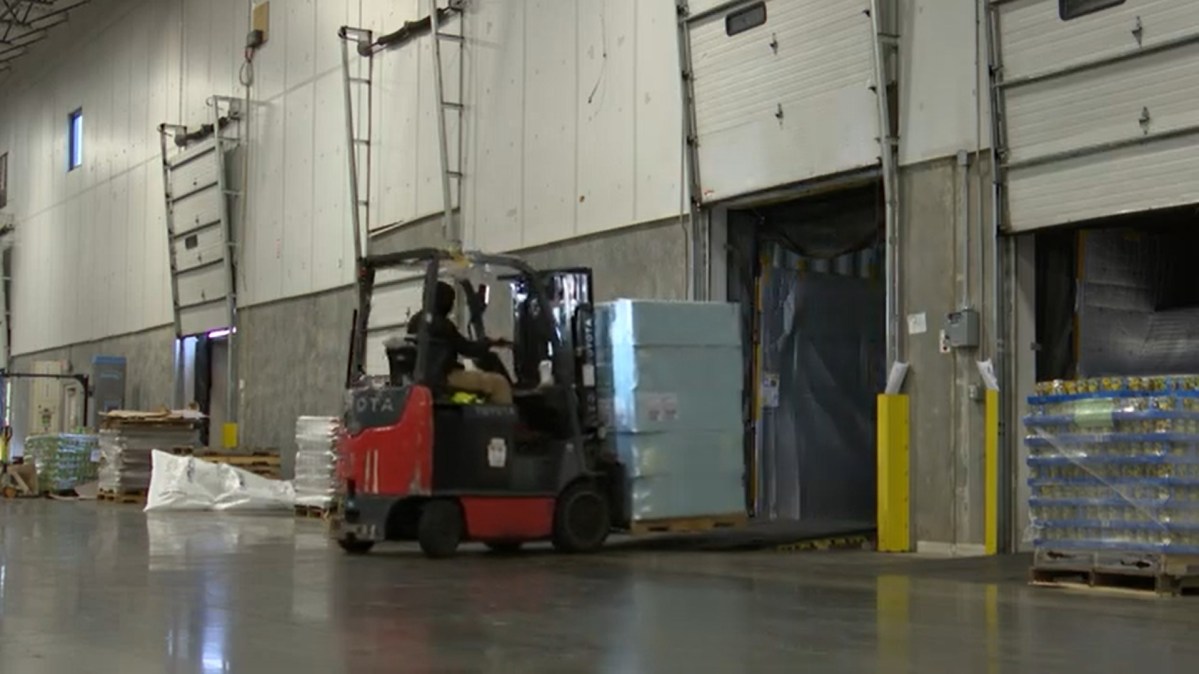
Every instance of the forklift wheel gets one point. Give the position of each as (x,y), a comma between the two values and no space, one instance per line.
(505,547)
(353,546)
(581,519)
(440,528)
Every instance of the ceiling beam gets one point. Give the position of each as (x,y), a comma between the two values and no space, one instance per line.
(31,25)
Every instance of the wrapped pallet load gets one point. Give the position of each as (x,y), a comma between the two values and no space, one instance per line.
(1114,466)
(316,461)
(670,383)
(64,460)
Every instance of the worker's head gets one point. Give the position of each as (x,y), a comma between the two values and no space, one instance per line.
(443,302)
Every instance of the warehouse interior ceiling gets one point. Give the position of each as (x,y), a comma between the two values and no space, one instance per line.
(27,22)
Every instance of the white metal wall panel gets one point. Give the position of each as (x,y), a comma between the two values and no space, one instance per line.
(1089,134)
(117,235)
(942,72)
(298,192)
(494,209)
(396,299)
(550,177)
(658,146)
(395,158)
(395,303)
(535,144)
(527,108)
(811,62)
(332,245)
(299,22)
(606,132)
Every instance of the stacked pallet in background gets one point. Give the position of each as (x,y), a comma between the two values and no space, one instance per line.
(316,464)
(670,385)
(126,441)
(263,462)
(64,460)
(1114,481)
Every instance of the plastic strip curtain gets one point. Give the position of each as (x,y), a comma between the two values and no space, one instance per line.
(822,350)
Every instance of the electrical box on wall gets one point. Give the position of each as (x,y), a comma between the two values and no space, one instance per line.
(961,329)
(260,21)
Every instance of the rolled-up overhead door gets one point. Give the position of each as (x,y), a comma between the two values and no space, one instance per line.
(1098,107)
(782,91)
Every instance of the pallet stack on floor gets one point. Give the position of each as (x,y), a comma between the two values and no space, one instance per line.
(126,442)
(316,464)
(1114,482)
(64,460)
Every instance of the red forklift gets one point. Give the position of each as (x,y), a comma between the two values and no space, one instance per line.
(421,461)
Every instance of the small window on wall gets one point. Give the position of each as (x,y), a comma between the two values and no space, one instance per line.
(75,140)
(1072,9)
(745,19)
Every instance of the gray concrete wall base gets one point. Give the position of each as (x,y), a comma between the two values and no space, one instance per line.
(148,376)
(936,212)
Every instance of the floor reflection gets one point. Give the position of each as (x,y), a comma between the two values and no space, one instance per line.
(117,590)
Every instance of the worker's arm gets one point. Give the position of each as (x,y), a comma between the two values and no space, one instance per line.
(464,346)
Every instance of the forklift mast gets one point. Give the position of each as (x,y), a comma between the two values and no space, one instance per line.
(572,315)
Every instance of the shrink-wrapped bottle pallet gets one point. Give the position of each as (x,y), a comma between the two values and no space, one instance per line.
(316,461)
(669,376)
(64,460)
(127,440)
(1114,465)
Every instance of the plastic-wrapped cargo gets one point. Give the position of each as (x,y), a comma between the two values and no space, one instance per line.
(64,460)
(182,483)
(316,460)
(669,376)
(127,440)
(1114,465)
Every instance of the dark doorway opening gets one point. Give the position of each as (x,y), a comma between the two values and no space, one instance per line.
(808,275)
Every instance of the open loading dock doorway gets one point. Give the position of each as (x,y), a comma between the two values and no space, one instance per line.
(808,275)
(1119,297)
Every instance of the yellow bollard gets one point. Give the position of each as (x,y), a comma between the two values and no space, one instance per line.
(894,465)
(229,436)
(991,473)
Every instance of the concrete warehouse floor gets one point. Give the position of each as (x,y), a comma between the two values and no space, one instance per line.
(88,587)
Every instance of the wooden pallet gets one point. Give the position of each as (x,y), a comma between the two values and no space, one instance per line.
(688,525)
(132,496)
(312,512)
(243,460)
(1137,572)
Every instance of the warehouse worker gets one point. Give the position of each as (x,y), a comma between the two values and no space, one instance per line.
(494,386)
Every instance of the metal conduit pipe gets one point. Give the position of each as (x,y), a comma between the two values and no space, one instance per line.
(890,186)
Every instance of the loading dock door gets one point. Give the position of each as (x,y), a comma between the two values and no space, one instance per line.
(1098,107)
(782,92)
(197,225)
